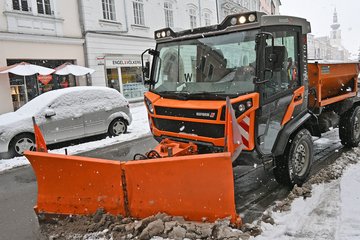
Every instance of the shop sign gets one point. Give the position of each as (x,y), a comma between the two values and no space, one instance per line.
(123,62)
(44,79)
(100,60)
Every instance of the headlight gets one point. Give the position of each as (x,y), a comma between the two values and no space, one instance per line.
(252,18)
(241,107)
(149,105)
(242,19)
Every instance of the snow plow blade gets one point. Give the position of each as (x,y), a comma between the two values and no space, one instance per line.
(76,185)
(197,187)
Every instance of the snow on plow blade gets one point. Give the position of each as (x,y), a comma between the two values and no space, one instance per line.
(198,187)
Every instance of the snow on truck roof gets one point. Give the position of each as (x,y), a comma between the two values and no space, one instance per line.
(320,61)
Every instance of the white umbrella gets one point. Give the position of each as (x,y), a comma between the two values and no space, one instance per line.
(68,68)
(26,69)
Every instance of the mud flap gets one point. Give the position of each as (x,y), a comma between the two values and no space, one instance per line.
(198,187)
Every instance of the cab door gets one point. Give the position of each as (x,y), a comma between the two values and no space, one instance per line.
(277,87)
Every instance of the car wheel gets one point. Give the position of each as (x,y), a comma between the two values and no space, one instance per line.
(295,165)
(21,143)
(349,128)
(117,127)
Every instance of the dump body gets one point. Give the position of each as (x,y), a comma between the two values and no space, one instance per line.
(331,82)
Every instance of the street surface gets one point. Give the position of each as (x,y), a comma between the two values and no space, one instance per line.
(255,189)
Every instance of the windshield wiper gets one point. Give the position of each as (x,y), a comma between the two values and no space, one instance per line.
(173,94)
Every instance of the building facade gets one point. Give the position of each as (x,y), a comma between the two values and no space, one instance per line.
(328,47)
(42,32)
(226,7)
(117,32)
(108,36)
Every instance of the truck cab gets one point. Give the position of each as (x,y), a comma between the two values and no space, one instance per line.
(260,62)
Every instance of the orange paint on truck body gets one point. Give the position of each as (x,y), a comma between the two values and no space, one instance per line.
(246,119)
(332,82)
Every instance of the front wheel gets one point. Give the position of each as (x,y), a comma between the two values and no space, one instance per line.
(295,165)
(21,143)
(117,126)
(349,128)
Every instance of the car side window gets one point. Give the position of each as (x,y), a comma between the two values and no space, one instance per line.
(68,105)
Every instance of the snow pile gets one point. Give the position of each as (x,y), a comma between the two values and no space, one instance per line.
(138,128)
(160,226)
(326,207)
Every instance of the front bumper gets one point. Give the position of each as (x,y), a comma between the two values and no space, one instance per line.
(4,144)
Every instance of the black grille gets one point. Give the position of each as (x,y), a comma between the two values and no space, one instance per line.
(200,129)
(188,113)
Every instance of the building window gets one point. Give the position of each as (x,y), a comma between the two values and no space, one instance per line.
(192,13)
(272,8)
(246,4)
(21,5)
(207,18)
(138,6)
(169,18)
(108,7)
(43,7)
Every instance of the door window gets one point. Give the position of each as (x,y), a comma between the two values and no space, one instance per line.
(286,77)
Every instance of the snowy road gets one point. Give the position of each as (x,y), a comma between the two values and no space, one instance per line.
(18,183)
(254,192)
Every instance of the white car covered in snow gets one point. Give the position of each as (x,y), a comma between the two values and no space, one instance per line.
(63,115)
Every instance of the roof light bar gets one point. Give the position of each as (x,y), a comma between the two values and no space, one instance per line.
(164,33)
(240,19)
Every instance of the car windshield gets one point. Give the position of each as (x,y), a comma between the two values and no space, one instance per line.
(37,104)
(219,65)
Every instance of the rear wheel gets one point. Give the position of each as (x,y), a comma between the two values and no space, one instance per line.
(21,143)
(295,165)
(349,128)
(117,127)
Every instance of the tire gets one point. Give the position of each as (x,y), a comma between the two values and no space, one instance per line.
(295,165)
(117,127)
(20,143)
(349,128)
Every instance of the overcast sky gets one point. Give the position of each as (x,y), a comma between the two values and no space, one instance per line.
(320,14)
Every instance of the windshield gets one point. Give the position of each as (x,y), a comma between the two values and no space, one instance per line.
(35,105)
(221,65)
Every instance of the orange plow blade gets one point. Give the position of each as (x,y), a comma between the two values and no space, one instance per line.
(198,187)
(76,185)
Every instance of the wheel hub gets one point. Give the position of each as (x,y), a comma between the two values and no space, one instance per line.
(119,128)
(357,125)
(23,145)
(301,159)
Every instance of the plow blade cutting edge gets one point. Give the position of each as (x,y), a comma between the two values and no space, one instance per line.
(198,187)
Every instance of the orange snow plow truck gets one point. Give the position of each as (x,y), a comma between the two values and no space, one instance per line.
(277,100)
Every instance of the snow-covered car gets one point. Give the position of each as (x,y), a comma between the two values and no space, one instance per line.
(64,115)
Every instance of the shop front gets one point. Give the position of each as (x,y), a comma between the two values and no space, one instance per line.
(123,73)
(23,89)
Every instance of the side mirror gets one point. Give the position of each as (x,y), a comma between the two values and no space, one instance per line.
(49,112)
(146,70)
(275,57)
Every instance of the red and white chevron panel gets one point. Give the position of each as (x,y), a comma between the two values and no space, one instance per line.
(244,130)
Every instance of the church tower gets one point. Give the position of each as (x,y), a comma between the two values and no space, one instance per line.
(335,34)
